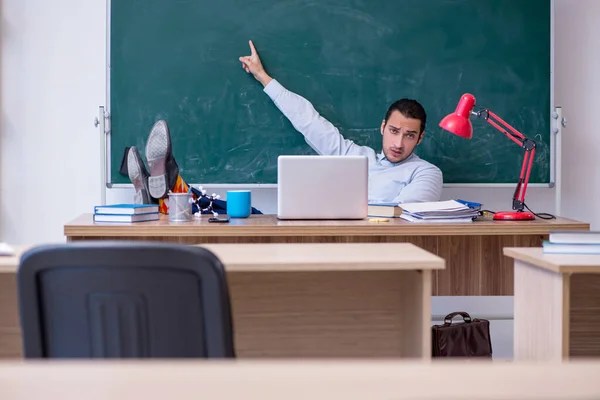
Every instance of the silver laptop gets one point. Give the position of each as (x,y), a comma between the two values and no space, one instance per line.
(322,187)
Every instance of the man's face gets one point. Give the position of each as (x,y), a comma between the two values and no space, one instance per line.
(400,136)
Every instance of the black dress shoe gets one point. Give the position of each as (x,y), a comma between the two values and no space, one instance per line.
(163,168)
(138,174)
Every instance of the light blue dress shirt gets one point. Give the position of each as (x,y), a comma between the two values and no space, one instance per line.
(410,180)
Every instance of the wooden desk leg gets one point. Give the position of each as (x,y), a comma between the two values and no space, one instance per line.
(584,334)
(421,310)
(10,331)
(541,321)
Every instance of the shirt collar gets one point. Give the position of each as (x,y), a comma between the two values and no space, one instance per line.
(381,157)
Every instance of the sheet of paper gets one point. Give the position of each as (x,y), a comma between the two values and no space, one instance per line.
(6,250)
(433,206)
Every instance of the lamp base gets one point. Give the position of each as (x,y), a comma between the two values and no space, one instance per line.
(513,216)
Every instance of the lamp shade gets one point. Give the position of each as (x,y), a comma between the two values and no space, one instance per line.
(458,122)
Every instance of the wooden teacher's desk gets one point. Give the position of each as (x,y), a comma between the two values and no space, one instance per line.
(475,265)
(306,300)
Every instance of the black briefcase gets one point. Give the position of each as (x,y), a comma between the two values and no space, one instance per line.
(469,338)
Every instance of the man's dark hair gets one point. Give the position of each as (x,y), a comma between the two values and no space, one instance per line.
(410,109)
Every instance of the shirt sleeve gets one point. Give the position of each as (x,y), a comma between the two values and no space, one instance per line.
(426,185)
(319,133)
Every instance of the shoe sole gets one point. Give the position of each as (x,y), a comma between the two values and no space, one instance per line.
(136,176)
(157,149)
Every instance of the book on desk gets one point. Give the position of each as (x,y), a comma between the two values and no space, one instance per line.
(435,211)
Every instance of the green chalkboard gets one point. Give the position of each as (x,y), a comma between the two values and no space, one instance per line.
(178,60)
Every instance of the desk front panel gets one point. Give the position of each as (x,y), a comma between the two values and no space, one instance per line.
(340,314)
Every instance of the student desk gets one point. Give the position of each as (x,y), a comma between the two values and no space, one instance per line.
(291,380)
(475,265)
(557,304)
(306,299)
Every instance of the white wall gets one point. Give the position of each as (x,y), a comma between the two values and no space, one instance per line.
(53,79)
(577,90)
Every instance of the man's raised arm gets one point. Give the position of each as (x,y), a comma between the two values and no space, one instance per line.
(319,133)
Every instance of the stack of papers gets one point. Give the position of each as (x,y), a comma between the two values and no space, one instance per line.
(438,211)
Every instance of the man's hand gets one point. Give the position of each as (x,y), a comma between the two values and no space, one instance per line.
(252,65)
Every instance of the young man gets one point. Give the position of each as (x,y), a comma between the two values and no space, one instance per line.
(396,175)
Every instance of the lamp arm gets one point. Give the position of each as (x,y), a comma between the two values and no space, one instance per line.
(519,195)
(528,145)
(501,125)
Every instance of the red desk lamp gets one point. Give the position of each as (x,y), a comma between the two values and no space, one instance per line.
(460,124)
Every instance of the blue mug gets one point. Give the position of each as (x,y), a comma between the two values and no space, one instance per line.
(239,203)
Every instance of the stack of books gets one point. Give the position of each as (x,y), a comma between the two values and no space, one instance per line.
(436,211)
(126,213)
(572,242)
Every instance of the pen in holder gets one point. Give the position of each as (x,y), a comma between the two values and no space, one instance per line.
(180,207)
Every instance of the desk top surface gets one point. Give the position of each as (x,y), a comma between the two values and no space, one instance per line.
(288,257)
(563,263)
(270,225)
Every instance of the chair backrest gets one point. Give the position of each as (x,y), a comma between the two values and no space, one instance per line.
(104,299)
